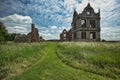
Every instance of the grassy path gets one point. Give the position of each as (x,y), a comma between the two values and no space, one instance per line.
(50,67)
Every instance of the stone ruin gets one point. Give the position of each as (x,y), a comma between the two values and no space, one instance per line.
(33,36)
(85,26)
(21,38)
(66,35)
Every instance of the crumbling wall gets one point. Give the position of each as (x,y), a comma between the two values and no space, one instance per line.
(66,35)
(33,36)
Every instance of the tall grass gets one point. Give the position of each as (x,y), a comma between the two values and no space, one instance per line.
(14,56)
(50,67)
(91,58)
(98,58)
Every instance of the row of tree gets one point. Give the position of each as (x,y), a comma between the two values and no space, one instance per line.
(4,35)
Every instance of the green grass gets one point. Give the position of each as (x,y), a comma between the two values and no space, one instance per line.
(15,57)
(60,61)
(97,58)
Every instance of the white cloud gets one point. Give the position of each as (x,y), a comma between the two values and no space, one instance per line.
(107,7)
(15,18)
(17,23)
(54,27)
(49,35)
(110,33)
(70,4)
(51,32)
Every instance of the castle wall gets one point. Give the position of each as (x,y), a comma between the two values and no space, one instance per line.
(87,22)
(33,36)
(66,35)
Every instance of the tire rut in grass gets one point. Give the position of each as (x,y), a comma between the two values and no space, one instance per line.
(51,68)
(72,66)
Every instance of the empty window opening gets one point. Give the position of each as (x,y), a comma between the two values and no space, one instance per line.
(64,35)
(92,35)
(92,23)
(74,25)
(64,31)
(75,35)
(83,35)
(83,23)
(64,38)
(88,13)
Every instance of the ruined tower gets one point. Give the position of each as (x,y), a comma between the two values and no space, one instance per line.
(86,25)
(34,34)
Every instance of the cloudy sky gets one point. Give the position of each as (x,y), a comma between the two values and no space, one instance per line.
(52,16)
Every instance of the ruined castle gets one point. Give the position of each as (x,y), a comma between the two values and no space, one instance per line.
(66,35)
(33,36)
(85,26)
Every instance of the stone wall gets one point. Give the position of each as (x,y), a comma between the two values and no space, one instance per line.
(33,36)
(86,22)
(66,35)
(69,35)
(21,38)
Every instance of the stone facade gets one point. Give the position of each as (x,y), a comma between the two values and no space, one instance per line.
(33,36)
(21,38)
(66,35)
(69,35)
(86,25)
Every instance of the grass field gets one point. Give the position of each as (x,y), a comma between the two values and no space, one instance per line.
(60,61)
(97,58)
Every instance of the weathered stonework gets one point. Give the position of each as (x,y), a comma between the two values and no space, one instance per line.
(33,36)
(66,35)
(86,25)
(69,35)
(21,38)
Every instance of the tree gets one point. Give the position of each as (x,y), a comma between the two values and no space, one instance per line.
(3,33)
(11,36)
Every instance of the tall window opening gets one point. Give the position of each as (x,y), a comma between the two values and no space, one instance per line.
(64,34)
(75,35)
(92,35)
(83,23)
(74,25)
(92,24)
(83,35)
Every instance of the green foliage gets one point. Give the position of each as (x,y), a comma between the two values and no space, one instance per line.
(3,33)
(11,36)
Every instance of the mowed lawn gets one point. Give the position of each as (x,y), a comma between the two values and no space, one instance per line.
(58,61)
